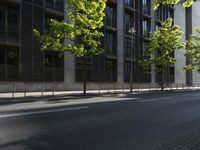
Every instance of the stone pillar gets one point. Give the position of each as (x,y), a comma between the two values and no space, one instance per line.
(195,22)
(120,42)
(69,62)
(179,19)
(153,28)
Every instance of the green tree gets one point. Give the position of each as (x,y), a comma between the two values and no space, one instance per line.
(157,3)
(193,51)
(161,46)
(82,29)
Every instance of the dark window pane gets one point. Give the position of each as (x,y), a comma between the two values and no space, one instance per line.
(146,6)
(2,63)
(111,44)
(128,20)
(146,27)
(130,3)
(48,59)
(13,22)
(55,4)
(59,5)
(50,4)
(12,55)
(110,16)
(58,61)
(2,21)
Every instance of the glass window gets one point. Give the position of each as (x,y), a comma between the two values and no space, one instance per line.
(146,6)
(55,4)
(2,21)
(58,60)
(146,27)
(129,3)
(171,13)
(13,22)
(48,59)
(59,5)
(128,20)
(53,59)
(2,56)
(12,56)
(2,64)
(110,44)
(127,47)
(50,4)
(110,16)
(159,13)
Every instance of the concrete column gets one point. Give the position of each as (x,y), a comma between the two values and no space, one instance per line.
(179,19)
(195,22)
(120,41)
(69,61)
(153,28)
(188,22)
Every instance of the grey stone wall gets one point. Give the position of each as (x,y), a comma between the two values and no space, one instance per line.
(179,19)
(69,70)
(196,22)
(120,42)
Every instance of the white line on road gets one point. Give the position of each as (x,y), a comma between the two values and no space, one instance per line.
(156,99)
(41,112)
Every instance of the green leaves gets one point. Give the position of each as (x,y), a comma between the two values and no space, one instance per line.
(193,51)
(157,3)
(83,29)
(163,43)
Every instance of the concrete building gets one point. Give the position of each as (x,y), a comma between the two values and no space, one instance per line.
(187,19)
(24,67)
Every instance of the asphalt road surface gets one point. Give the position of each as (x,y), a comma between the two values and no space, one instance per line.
(136,122)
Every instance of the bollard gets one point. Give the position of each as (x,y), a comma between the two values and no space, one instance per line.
(53,90)
(13,93)
(42,89)
(24,90)
(99,90)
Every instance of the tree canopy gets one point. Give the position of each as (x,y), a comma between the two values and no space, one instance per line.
(163,42)
(157,3)
(83,27)
(161,46)
(193,51)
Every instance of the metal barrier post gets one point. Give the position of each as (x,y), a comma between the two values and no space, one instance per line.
(13,93)
(99,89)
(53,90)
(24,90)
(42,89)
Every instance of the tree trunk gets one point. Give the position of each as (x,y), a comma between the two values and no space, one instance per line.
(162,78)
(84,77)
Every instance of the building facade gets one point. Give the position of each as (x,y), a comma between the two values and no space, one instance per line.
(23,65)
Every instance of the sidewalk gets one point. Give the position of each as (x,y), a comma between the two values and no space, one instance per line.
(58,96)
(17,95)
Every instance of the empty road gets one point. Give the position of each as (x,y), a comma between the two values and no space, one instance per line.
(136,122)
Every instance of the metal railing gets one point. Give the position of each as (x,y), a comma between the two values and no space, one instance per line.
(100,89)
